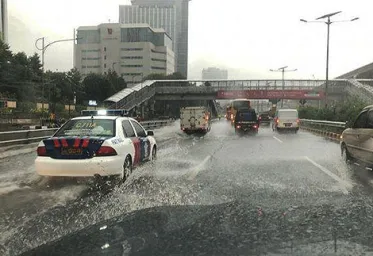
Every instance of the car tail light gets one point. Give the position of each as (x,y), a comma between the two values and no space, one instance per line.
(106,151)
(238,126)
(277,120)
(41,151)
(255,126)
(298,120)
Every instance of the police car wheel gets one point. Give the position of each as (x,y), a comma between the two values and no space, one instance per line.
(127,168)
(154,154)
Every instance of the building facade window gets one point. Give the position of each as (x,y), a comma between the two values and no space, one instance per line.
(160,60)
(131,49)
(92,50)
(105,57)
(105,65)
(91,58)
(132,57)
(131,74)
(88,36)
(104,49)
(158,68)
(154,51)
(132,66)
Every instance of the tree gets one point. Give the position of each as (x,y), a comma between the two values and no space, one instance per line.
(274,101)
(56,88)
(97,87)
(19,65)
(176,76)
(35,68)
(5,60)
(155,76)
(116,81)
(160,76)
(75,81)
(302,102)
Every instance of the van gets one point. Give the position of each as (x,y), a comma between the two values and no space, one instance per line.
(286,119)
(195,120)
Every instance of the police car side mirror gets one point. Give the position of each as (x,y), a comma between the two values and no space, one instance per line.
(150,133)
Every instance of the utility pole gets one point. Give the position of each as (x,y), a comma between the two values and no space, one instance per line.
(328,23)
(282,70)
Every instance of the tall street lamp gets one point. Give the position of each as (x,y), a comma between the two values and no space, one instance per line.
(328,22)
(282,70)
(43,48)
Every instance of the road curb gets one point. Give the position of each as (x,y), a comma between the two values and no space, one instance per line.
(330,135)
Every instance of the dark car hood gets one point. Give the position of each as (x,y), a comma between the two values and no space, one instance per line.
(225,229)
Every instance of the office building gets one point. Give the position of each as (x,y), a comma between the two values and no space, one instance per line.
(171,15)
(214,73)
(132,50)
(4,20)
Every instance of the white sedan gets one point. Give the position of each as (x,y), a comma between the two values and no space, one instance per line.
(95,146)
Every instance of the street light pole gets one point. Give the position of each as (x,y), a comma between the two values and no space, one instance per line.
(43,49)
(327,62)
(282,70)
(328,22)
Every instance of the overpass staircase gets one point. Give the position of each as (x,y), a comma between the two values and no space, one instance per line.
(361,90)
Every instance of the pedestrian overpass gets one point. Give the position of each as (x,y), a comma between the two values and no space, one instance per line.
(211,90)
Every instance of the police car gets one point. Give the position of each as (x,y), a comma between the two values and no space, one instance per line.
(102,143)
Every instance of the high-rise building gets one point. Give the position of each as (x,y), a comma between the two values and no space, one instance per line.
(4,20)
(132,50)
(171,15)
(214,73)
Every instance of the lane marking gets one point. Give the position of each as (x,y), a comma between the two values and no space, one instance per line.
(344,183)
(277,139)
(193,174)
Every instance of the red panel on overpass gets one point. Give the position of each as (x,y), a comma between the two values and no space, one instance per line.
(271,94)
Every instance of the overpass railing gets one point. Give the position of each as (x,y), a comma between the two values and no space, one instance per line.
(330,129)
(29,136)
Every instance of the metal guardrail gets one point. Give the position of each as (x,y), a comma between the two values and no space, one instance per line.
(323,123)
(29,136)
(330,129)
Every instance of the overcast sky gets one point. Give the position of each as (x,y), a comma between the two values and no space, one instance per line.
(246,37)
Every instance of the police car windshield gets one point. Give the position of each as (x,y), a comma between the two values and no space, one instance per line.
(88,127)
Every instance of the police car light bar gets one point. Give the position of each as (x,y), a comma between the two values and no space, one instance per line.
(105,112)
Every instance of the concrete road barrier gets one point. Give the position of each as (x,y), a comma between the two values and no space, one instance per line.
(28,136)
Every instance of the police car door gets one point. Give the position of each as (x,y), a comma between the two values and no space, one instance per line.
(130,134)
(142,140)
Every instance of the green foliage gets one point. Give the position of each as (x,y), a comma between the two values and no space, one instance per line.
(97,87)
(341,111)
(160,76)
(302,102)
(21,80)
(274,101)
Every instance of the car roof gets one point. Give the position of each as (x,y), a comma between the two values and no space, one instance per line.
(368,107)
(287,109)
(101,117)
(246,110)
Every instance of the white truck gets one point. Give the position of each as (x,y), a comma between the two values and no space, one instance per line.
(195,120)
